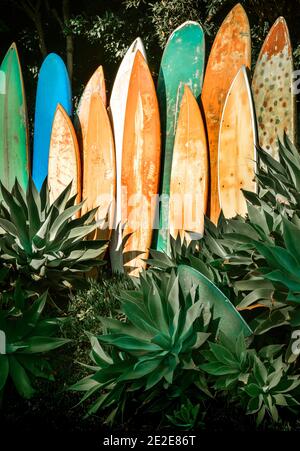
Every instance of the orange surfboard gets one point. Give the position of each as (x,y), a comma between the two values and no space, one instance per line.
(237,147)
(96,84)
(140,165)
(272,88)
(99,173)
(231,49)
(189,174)
(64,164)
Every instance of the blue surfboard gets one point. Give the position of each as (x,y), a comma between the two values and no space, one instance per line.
(53,87)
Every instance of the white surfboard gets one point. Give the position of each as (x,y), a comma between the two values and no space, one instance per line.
(117,109)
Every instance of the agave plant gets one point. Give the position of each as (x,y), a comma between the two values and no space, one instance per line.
(261,381)
(186,417)
(43,242)
(27,338)
(279,181)
(205,255)
(154,355)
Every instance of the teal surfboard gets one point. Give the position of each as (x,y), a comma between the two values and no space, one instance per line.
(231,324)
(14,154)
(182,63)
(53,88)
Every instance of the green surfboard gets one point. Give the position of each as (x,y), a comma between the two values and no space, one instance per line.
(231,324)
(182,63)
(14,160)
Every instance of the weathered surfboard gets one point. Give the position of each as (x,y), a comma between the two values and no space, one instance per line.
(140,165)
(14,146)
(272,88)
(237,147)
(182,63)
(99,173)
(231,49)
(95,84)
(64,164)
(53,88)
(118,102)
(189,174)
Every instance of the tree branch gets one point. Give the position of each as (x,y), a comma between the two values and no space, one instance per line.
(33,12)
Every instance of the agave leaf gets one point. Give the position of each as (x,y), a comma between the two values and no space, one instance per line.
(129,344)
(231,322)
(4,370)
(61,219)
(260,218)
(255,296)
(116,326)
(217,369)
(29,320)
(139,318)
(292,165)
(81,232)
(84,220)
(291,235)
(253,198)
(279,257)
(253,283)
(39,367)
(102,359)
(47,327)
(223,354)
(33,207)
(85,384)
(8,227)
(275,319)
(20,378)
(200,266)
(20,195)
(270,162)
(141,369)
(202,337)
(38,344)
(18,217)
(291,282)
(191,315)
(39,239)
(61,201)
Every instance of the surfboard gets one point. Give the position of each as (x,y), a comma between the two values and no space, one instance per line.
(64,164)
(118,102)
(189,174)
(272,88)
(182,63)
(231,323)
(95,84)
(99,173)
(140,165)
(237,147)
(231,49)
(53,88)
(14,145)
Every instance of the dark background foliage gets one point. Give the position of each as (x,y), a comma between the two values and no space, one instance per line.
(95,32)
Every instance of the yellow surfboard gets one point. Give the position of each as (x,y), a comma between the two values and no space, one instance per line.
(99,172)
(231,49)
(237,147)
(64,164)
(96,84)
(140,165)
(189,173)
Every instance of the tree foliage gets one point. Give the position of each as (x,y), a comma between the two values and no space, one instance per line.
(99,32)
